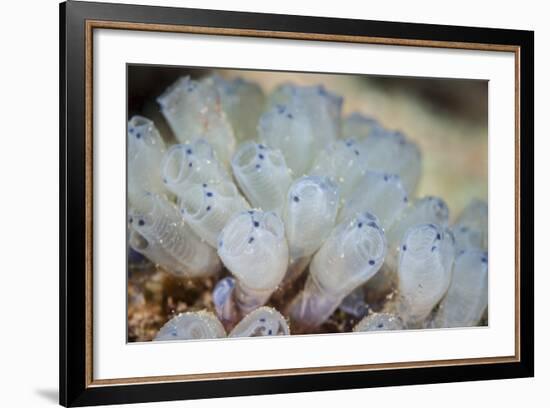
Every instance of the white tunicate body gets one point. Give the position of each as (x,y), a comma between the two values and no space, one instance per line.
(253,247)
(379,322)
(351,255)
(262,175)
(186,164)
(207,208)
(358,126)
(264,321)
(427,210)
(243,102)
(309,215)
(158,232)
(145,151)
(380,194)
(193,110)
(424,271)
(191,326)
(301,122)
(471,229)
(392,153)
(466,299)
(345,162)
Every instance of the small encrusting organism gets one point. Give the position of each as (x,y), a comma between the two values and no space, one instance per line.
(145,151)
(264,321)
(252,245)
(472,226)
(300,122)
(158,232)
(243,102)
(184,165)
(424,271)
(191,326)
(466,299)
(379,322)
(262,175)
(285,215)
(208,207)
(351,255)
(193,109)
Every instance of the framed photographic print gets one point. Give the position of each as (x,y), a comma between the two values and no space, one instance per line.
(255,203)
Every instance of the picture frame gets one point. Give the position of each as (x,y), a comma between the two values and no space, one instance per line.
(78,162)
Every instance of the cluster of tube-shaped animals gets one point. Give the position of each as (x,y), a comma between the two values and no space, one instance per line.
(274,187)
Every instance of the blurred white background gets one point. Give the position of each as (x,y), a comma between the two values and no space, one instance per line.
(29,179)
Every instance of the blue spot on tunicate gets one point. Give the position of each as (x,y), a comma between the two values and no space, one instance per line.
(371,262)
(204,185)
(209,194)
(434,248)
(258,166)
(380,325)
(261,156)
(250,240)
(208,208)
(405,199)
(141,223)
(261,146)
(256,224)
(373,225)
(386,177)
(189,151)
(359,225)
(270,332)
(131,130)
(289,115)
(356,152)
(438,236)
(262,320)
(296,199)
(250,212)
(131,220)
(404,247)
(484,259)
(190,164)
(138,135)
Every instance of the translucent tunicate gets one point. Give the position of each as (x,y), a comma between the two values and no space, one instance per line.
(207,208)
(467,297)
(264,321)
(186,164)
(158,232)
(191,326)
(344,161)
(224,302)
(471,228)
(193,110)
(243,102)
(424,271)
(302,122)
(310,213)
(392,153)
(358,126)
(380,194)
(145,151)
(379,322)
(350,256)
(427,210)
(253,247)
(262,175)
